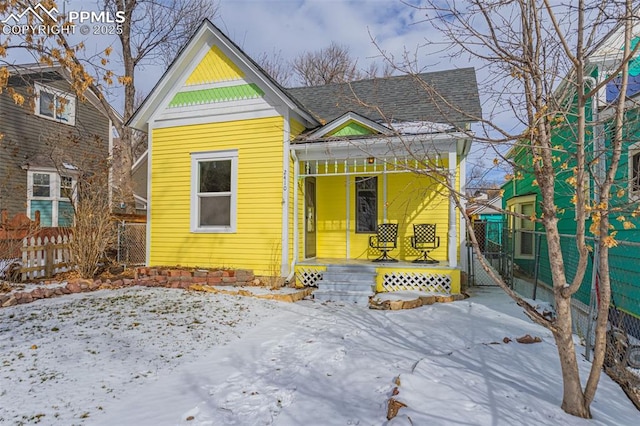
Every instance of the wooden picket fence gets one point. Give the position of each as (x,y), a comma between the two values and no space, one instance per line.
(43,257)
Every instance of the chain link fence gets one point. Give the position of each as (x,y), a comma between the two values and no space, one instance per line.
(132,243)
(523,262)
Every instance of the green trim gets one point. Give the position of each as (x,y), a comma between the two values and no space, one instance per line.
(351,129)
(217,94)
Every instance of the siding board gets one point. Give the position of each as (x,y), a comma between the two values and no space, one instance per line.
(259,201)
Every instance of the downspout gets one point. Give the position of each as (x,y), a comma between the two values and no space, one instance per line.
(284,263)
(296,176)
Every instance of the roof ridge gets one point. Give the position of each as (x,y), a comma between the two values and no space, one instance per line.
(390,77)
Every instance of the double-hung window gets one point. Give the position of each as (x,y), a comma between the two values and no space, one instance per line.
(214,191)
(50,194)
(367,204)
(55,104)
(523,228)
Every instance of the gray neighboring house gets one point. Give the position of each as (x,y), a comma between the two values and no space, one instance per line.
(51,124)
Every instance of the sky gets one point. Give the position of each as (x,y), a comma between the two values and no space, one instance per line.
(294,27)
(144,356)
(291,27)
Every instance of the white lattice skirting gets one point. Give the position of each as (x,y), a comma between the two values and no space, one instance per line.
(309,277)
(436,283)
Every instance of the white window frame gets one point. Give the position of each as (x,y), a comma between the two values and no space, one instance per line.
(633,150)
(54,192)
(198,157)
(57,94)
(515,205)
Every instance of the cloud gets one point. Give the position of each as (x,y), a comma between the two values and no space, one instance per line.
(294,27)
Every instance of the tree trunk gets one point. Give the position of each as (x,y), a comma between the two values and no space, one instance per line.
(573,401)
(572,396)
(126,151)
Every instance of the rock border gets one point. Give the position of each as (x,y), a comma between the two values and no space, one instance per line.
(196,280)
(430,299)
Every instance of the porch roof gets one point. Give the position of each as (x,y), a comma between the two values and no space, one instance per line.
(380,146)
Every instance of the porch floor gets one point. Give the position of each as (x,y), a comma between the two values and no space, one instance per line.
(401,264)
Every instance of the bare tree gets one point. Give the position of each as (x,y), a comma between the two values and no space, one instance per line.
(94,231)
(537,59)
(152,33)
(333,64)
(374,70)
(276,66)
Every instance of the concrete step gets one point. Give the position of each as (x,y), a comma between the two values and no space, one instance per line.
(357,297)
(348,276)
(346,285)
(351,268)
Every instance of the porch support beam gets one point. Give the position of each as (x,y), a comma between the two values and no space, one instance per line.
(296,212)
(348,221)
(384,197)
(463,224)
(452,242)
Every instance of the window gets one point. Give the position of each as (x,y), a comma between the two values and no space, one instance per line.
(523,228)
(54,104)
(214,191)
(634,172)
(51,195)
(366,204)
(41,184)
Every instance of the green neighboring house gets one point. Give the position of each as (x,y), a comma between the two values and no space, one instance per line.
(522,195)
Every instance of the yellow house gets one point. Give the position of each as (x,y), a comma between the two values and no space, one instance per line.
(296,182)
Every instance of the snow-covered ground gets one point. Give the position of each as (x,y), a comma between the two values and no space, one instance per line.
(142,356)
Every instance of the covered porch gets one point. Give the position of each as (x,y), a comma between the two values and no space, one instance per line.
(346,188)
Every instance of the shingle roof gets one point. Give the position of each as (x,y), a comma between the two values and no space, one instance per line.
(400,98)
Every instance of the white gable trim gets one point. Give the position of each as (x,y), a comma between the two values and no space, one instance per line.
(205,37)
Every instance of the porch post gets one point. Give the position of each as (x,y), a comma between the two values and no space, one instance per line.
(384,197)
(452,242)
(348,222)
(463,224)
(296,178)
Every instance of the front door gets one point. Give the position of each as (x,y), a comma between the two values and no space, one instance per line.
(310,217)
